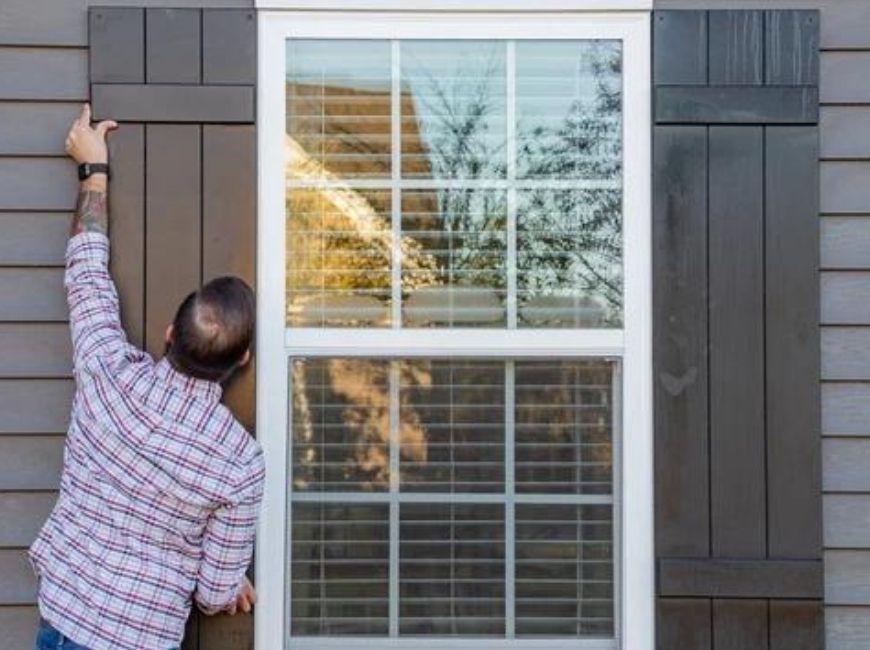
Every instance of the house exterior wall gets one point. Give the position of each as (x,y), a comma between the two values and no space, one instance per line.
(845,296)
(44,77)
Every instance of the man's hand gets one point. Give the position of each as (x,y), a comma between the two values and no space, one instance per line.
(246,599)
(87,144)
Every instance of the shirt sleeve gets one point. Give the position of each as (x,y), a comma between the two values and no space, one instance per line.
(228,543)
(93,301)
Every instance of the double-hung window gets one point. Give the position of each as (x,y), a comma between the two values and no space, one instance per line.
(453,380)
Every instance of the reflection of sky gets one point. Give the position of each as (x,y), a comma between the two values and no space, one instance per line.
(360,64)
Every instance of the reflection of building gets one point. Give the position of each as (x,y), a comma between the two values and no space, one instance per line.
(339,239)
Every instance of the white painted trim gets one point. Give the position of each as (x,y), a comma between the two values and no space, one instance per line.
(637,570)
(633,345)
(456,5)
(423,643)
(458,342)
(272,378)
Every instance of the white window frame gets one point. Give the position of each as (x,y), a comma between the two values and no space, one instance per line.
(633,513)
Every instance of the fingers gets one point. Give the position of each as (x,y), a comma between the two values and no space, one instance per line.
(105,126)
(85,115)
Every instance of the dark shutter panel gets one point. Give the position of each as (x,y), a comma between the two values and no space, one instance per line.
(735,223)
(182,84)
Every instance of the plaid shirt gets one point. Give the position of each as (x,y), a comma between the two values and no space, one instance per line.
(160,489)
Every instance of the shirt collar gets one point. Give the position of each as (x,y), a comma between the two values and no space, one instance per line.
(201,388)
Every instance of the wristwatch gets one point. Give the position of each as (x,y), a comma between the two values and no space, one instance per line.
(86,170)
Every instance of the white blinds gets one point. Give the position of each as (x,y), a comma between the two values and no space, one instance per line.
(454,183)
(452,497)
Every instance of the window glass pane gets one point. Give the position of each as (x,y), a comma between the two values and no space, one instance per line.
(452,426)
(502,206)
(569,258)
(569,109)
(340,570)
(564,427)
(564,570)
(451,569)
(457,274)
(453,109)
(445,531)
(339,248)
(341,425)
(338,109)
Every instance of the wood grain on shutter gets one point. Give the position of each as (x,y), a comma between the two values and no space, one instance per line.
(173,46)
(229,65)
(173,103)
(736,334)
(680,336)
(173,225)
(127,231)
(229,228)
(117,41)
(740,297)
(791,322)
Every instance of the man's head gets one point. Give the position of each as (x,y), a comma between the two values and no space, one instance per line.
(212,332)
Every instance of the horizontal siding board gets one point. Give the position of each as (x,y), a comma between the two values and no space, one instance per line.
(32,295)
(740,578)
(847,521)
(844,187)
(23,514)
(845,243)
(37,184)
(30,462)
(846,353)
(173,103)
(35,405)
(847,577)
(845,297)
(33,238)
(229,65)
(846,409)
(847,628)
(844,78)
(18,583)
(845,131)
(736,105)
(35,128)
(845,463)
(19,627)
(35,350)
(43,73)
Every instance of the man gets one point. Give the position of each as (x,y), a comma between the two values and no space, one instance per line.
(161,486)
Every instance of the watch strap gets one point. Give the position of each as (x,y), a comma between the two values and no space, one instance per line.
(86,170)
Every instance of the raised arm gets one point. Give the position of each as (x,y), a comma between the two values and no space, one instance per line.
(93,301)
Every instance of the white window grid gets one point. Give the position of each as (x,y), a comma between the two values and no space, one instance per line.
(631,346)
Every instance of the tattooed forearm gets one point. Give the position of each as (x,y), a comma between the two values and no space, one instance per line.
(91,213)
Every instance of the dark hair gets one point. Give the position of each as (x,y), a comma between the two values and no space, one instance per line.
(212,330)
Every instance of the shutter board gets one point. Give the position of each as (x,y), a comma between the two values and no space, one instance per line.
(735,299)
(182,82)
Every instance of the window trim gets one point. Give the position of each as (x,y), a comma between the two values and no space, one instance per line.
(633,344)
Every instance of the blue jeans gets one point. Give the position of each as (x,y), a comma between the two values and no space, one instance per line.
(48,638)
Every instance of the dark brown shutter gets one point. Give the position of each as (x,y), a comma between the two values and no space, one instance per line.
(182,84)
(738,495)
